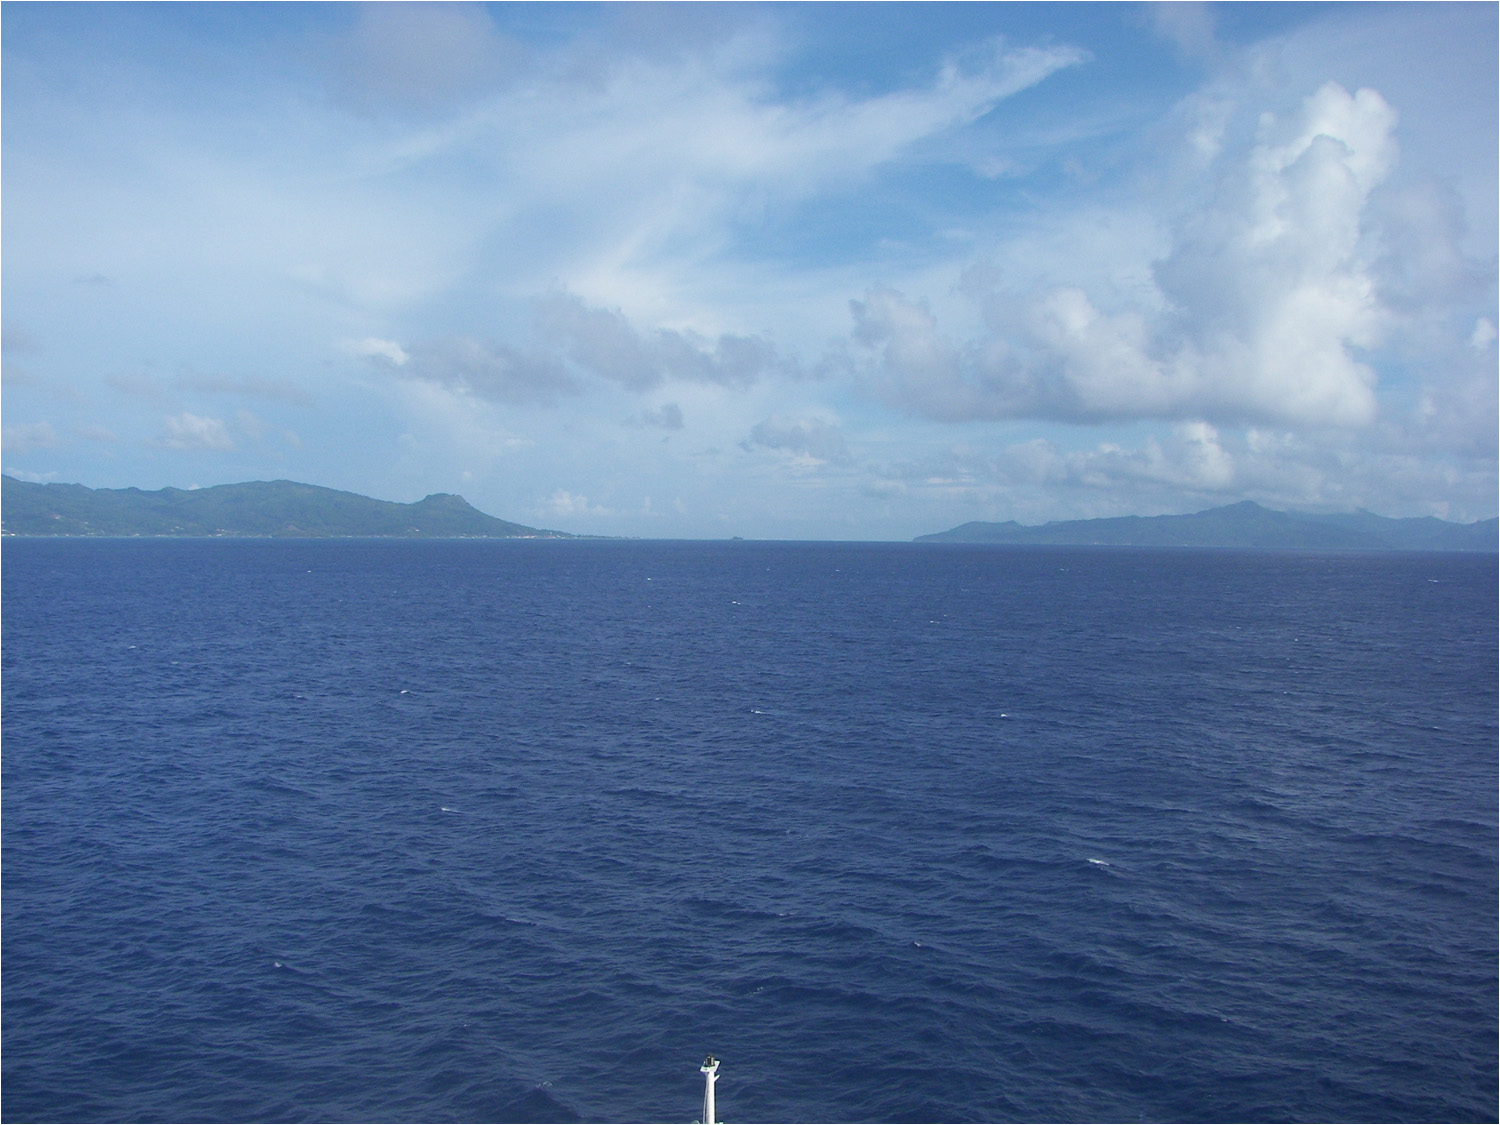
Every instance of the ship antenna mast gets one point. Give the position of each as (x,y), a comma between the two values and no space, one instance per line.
(710,1069)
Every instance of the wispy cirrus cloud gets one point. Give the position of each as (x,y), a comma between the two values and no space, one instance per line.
(249,386)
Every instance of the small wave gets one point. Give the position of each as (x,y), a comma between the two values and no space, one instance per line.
(1101,862)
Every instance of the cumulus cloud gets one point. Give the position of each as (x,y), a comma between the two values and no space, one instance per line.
(488,371)
(1193,466)
(1421,271)
(809,440)
(25,438)
(596,341)
(603,342)
(192,432)
(565,503)
(1267,302)
(372,347)
(667,417)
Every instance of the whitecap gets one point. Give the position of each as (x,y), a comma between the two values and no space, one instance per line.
(1100,862)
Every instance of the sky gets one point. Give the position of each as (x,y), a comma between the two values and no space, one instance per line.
(789,271)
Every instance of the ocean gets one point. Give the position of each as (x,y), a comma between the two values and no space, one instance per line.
(373,830)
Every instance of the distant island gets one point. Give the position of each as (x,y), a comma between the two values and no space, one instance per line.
(258,509)
(1246,524)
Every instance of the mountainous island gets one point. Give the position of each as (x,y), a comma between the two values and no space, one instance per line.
(280,508)
(1246,524)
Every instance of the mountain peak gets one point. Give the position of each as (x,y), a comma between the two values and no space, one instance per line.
(255,508)
(1245,524)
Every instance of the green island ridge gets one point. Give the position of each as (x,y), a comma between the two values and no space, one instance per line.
(1243,525)
(287,509)
(256,509)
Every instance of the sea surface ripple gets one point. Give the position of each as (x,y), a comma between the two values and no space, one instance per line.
(498,831)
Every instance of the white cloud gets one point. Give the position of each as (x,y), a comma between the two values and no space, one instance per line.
(1246,293)
(372,347)
(708,120)
(602,342)
(808,441)
(1194,466)
(1421,266)
(1267,300)
(666,417)
(635,179)
(34,478)
(488,371)
(565,503)
(26,438)
(190,431)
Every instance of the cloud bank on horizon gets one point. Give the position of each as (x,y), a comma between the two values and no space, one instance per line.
(804,271)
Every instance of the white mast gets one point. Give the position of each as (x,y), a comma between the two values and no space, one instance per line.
(710,1069)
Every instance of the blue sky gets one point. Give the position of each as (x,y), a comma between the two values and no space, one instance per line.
(796,271)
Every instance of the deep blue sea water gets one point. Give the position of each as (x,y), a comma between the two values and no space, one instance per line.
(496,831)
